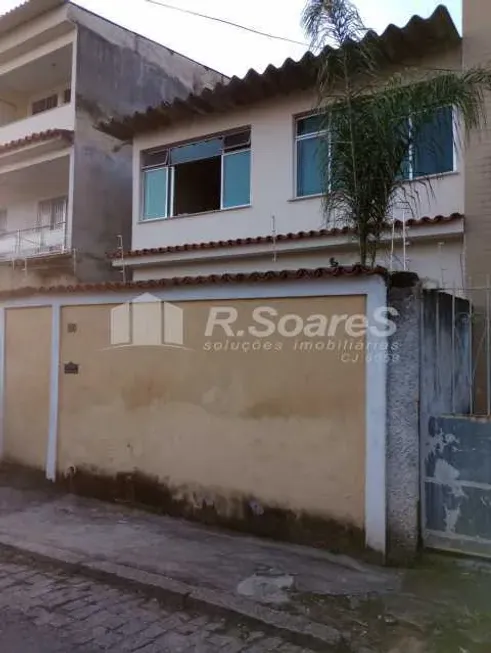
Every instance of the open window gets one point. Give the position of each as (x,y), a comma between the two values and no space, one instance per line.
(207,175)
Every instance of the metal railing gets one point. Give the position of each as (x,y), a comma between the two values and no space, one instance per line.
(461,328)
(35,241)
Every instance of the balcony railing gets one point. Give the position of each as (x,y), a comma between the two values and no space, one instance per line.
(37,241)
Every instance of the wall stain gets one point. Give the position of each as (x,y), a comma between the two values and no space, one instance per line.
(242,513)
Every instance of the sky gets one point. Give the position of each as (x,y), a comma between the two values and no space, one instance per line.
(233,51)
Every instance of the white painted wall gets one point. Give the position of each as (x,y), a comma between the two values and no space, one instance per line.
(8,111)
(440,265)
(272,181)
(36,60)
(21,191)
(36,31)
(59,118)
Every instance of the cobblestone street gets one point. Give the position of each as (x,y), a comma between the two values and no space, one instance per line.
(46,611)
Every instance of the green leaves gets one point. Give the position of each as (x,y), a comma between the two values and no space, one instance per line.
(377,120)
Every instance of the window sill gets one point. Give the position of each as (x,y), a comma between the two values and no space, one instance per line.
(306,197)
(436,175)
(196,215)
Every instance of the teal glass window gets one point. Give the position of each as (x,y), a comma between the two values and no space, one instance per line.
(236,179)
(196,151)
(434,145)
(155,193)
(432,152)
(309,167)
(198,177)
(311,151)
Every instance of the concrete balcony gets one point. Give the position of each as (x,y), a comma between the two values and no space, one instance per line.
(62,117)
(34,210)
(35,242)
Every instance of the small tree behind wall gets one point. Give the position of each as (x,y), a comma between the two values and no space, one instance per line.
(377,125)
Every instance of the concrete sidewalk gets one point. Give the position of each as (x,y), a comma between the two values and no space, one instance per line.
(331,601)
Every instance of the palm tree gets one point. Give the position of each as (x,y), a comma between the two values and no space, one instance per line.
(374,120)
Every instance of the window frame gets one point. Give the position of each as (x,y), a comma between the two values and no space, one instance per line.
(53,225)
(222,180)
(411,176)
(304,137)
(45,99)
(4,213)
(171,175)
(142,193)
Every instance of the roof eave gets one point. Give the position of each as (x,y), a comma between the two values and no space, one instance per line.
(213,279)
(418,38)
(424,223)
(27,11)
(35,138)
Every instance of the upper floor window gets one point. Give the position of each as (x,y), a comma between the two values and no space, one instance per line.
(432,151)
(44,104)
(207,175)
(433,147)
(312,144)
(52,213)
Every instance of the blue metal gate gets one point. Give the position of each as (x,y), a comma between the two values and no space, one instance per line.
(457,484)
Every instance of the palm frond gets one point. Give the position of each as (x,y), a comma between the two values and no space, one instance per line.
(347,48)
(372,128)
(334,22)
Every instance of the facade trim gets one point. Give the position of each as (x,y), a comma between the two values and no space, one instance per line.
(52,450)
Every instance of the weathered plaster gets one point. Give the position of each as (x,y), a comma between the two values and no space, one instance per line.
(403,421)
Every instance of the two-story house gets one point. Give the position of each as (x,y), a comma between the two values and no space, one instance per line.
(65,187)
(228,179)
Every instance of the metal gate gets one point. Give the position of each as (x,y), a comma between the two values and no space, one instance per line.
(456,421)
(457,487)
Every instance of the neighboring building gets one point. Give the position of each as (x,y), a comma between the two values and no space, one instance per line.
(476,50)
(227,181)
(65,187)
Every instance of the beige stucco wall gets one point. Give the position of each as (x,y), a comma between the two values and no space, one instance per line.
(284,427)
(273,177)
(27,385)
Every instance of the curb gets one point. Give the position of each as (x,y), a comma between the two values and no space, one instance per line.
(182,596)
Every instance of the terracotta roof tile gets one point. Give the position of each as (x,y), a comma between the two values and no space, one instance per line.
(155,284)
(39,137)
(260,240)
